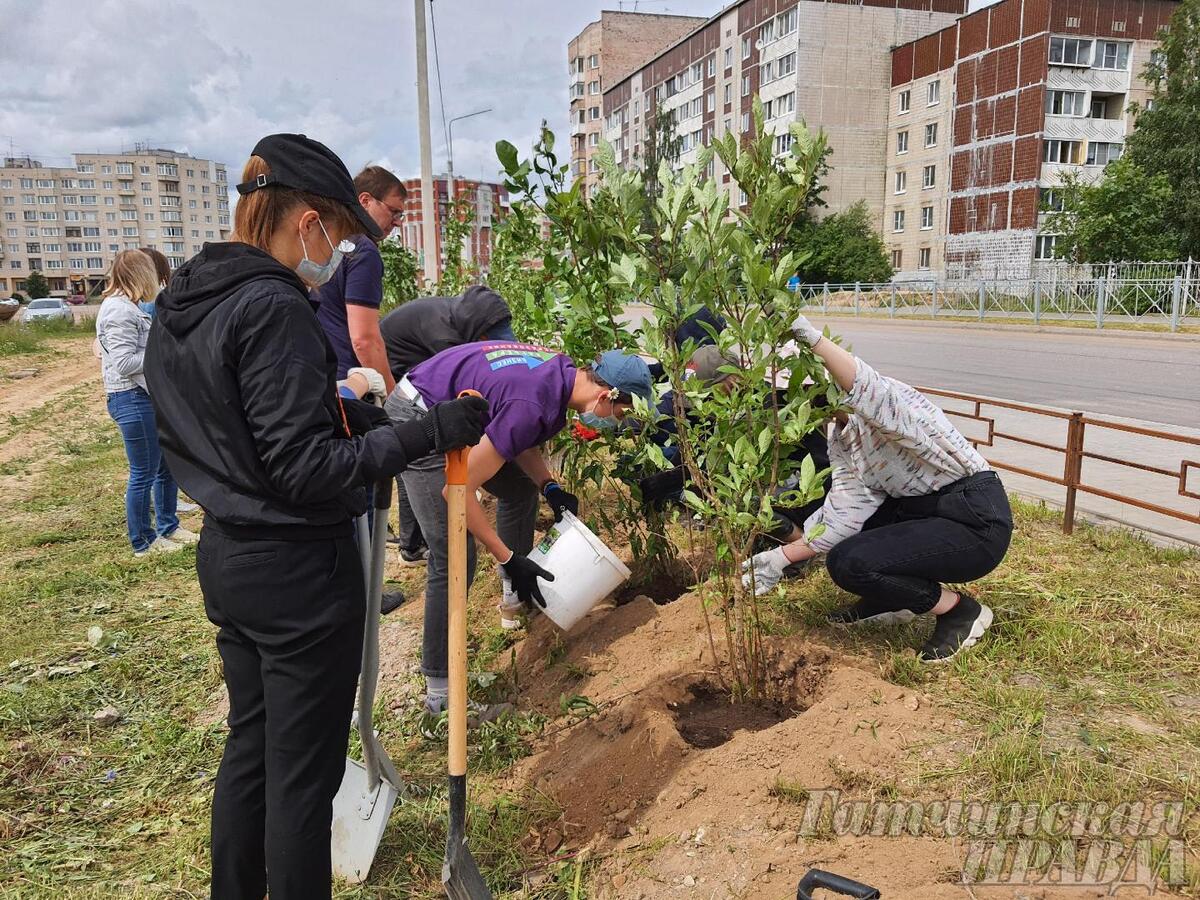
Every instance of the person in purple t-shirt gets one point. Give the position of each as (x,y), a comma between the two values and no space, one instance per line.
(529,390)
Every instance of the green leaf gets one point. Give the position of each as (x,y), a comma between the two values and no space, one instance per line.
(507,154)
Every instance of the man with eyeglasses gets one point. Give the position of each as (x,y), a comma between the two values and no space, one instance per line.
(349,302)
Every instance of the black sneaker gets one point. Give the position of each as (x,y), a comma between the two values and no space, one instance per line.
(391,536)
(864,613)
(391,601)
(956,630)
(414,557)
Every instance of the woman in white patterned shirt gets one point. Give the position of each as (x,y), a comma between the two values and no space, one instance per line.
(913,505)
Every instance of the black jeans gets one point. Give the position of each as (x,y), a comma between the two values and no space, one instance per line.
(410,535)
(911,545)
(291,617)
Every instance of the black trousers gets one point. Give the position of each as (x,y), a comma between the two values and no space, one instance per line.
(291,617)
(911,545)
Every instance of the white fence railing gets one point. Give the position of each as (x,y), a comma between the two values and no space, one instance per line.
(1170,302)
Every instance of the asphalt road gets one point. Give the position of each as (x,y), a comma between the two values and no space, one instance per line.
(1152,378)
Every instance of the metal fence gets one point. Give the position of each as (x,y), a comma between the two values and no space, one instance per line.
(1170,302)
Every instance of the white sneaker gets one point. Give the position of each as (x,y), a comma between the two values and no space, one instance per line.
(160,545)
(182,536)
(184,506)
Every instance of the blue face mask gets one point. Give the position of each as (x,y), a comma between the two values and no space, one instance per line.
(316,274)
(598,422)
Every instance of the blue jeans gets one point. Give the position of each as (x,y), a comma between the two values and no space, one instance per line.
(148,472)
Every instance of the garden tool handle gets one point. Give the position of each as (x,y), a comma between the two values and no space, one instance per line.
(456,507)
(819,878)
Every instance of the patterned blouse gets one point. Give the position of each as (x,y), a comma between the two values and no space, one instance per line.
(895,444)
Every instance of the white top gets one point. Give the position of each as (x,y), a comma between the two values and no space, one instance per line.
(895,444)
(122,330)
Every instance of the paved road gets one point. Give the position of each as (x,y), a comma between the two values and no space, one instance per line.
(1148,378)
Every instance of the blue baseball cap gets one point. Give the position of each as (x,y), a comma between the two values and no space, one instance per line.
(627,372)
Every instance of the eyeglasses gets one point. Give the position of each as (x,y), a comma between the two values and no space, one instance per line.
(397,214)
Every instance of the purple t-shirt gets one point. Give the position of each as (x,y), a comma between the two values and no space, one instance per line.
(358,281)
(527,388)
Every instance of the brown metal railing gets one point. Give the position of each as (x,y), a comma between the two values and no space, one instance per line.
(1075,452)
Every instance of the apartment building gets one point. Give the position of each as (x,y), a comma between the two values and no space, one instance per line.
(605,51)
(1027,90)
(69,222)
(826,62)
(488,200)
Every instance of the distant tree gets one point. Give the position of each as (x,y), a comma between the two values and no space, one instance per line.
(400,275)
(842,248)
(1166,139)
(36,285)
(1127,215)
(660,145)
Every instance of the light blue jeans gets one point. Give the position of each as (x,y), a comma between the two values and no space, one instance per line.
(149,476)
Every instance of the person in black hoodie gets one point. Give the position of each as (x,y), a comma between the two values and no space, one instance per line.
(249,419)
(420,330)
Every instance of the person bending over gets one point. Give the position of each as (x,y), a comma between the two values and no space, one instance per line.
(913,505)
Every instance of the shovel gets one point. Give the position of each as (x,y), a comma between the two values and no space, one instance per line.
(460,874)
(369,789)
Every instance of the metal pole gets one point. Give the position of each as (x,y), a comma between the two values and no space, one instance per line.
(451,188)
(1037,303)
(857,292)
(982,298)
(892,308)
(1176,297)
(935,298)
(431,264)
(825,298)
(1101,300)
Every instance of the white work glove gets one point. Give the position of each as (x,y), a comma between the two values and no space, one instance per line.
(768,569)
(375,383)
(806,331)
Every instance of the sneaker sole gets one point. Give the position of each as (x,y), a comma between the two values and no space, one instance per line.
(894,617)
(982,623)
(413,563)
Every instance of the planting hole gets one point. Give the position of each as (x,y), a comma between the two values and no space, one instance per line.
(709,719)
(661,587)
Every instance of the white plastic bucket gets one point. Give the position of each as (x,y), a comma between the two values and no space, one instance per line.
(585,571)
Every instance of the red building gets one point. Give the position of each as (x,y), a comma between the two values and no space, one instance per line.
(488,203)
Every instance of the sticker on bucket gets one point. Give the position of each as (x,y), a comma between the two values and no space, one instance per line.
(585,571)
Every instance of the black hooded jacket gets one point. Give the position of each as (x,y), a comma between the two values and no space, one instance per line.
(423,328)
(243,385)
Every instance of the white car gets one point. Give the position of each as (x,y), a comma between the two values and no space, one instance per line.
(47,309)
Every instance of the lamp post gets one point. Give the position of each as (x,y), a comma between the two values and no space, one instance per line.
(450,147)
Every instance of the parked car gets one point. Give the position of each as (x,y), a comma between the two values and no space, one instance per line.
(76,299)
(47,309)
(8,308)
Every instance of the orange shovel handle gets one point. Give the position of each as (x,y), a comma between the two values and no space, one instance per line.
(456,460)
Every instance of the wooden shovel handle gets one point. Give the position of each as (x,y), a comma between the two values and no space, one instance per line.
(456,460)
(456,509)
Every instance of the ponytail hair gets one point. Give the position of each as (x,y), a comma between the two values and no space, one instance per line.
(259,214)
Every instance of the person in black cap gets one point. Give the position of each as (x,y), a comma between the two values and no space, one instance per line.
(243,383)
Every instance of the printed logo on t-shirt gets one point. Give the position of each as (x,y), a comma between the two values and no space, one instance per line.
(506,355)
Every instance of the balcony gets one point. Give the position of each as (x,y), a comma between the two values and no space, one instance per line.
(1076,128)
(1072,78)
(577,128)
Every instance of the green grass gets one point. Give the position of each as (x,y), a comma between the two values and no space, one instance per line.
(17,339)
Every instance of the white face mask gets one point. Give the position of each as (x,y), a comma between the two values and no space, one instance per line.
(316,274)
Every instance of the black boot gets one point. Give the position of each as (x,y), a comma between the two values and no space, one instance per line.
(956,630)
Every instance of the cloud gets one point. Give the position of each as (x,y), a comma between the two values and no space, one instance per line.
(216,75)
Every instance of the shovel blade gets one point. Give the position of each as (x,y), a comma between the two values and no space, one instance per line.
(359,818)
(460,874)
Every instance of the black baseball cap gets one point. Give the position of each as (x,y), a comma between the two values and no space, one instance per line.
(299,162)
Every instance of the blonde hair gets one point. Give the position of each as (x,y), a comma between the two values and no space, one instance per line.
(132,275)
(260,213)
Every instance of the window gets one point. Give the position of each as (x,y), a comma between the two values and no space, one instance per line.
(33,248)
(902,142)
(905,101)
(786,23)
(1063,152)
(783,143)
(935,93)
(745,85)
(1044,248)
(45,200)
(745,121)
(594,113)
(124,168)
(27,184)
(48,183)
(108,185)
(928,177)
(129,232)
(145,185)
(1065,103)
(729,93)
(145,170)
(926,218)
(149,201)
(85,168)
(91,232)
(1066,51)
(923,258)
(786,65)
(697,72)
(594,61)
(1101,154)
(931,134)
(710,100)
(901,182)
(745,48)
(109,201)
(897,259)
(95,262)
(766,72)
(743,198)
(89,183)
(593,141)
(1112,55)
(728,57)
(766,32)
(712,66)
(1050,200)
(898,220)
(91,246)
(780,106)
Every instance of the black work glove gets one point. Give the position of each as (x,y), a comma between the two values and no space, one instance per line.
(363,417)
(558,499)
(524,573)
(455,423)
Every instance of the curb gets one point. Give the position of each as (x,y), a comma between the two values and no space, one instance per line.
(985,325)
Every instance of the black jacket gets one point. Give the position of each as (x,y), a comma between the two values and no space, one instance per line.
(243,385)
(423,328)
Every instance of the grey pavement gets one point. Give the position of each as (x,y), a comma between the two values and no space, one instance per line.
(1151,381)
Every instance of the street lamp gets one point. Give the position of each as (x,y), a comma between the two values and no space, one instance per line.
(450,148)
